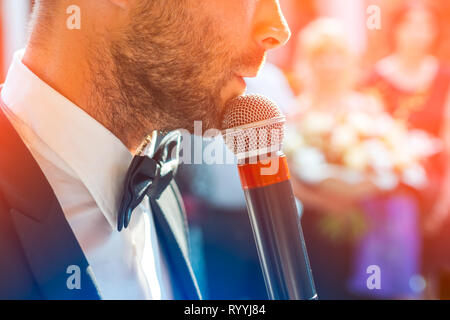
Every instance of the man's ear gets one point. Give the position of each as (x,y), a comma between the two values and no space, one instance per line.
(120,3)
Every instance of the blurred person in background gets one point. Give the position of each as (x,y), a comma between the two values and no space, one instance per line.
(414,87)
(344,150)
(328,68)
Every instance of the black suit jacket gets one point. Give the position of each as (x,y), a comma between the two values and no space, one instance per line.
(38,247)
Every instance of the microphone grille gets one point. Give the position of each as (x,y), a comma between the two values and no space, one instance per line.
(249,109)
(253,125)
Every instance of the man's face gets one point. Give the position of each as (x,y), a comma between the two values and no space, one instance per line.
(181,61)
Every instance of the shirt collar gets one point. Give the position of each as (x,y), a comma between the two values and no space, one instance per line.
(98,157)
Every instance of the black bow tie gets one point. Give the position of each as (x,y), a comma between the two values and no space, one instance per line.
(149,176)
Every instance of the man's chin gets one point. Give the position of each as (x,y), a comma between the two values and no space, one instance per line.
(212,121)
(234,88)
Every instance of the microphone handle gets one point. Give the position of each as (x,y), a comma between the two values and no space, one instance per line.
(279,239)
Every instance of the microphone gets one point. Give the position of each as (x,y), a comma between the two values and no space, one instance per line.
(253,129)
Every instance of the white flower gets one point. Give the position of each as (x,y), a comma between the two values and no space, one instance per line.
(316,122)
(356,158)
(343,138)
(311,165)
(421,145)
(385,180)
(293,141)
(415,176)
(362,123)
(379,156)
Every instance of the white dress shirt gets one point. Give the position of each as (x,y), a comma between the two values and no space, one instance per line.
(86,165)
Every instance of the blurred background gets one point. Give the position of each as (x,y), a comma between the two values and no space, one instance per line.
(365,87)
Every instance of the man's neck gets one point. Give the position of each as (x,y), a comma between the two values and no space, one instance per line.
(68,69)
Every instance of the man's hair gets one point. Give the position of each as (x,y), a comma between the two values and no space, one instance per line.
(41,16)
(44,9)
(44,3)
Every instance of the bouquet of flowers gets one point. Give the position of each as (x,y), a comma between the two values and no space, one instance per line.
(358,144)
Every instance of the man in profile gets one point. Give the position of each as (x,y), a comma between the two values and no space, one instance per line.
(76,105)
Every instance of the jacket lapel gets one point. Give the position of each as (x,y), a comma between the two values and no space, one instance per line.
(171,227)
(53,253)
(173,240)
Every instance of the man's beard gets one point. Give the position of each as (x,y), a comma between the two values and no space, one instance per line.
(169,82)
(166,71)
(169,71)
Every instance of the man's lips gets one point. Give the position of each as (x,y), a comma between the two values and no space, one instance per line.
(241,76)
(241,81)
(251,74)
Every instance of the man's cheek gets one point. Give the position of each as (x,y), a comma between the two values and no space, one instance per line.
(232,17)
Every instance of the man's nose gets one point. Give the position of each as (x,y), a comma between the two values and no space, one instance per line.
(270,29)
